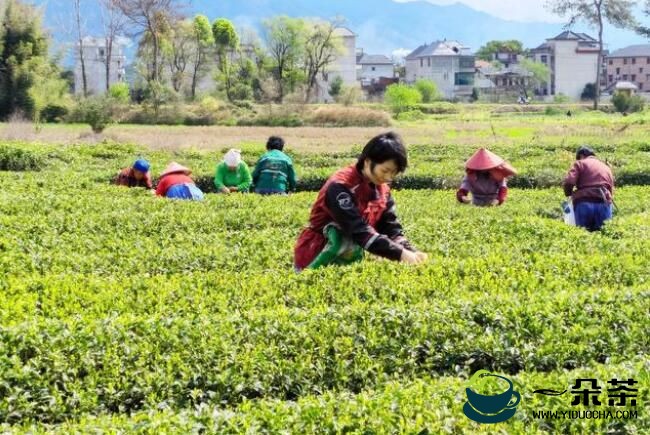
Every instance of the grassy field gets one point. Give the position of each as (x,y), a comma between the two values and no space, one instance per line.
(124,313)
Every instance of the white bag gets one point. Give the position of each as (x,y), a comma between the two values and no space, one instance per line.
(569,215)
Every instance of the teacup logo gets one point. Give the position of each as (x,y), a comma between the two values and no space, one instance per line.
(490,398)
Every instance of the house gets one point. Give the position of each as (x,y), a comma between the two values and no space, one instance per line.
(373,67)
(572,58)
(345,66)
(95,58)
(447,63)
(629,64)
(627,88)
(499,81)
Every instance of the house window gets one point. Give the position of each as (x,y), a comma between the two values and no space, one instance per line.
(373,68)
(101,52)
(640,70)
(611,62)
(633,77)
(624,76)
(633,60)
(428,61)
(640,86)
(544,58)
(421,62)
(647,60)
(625,61)
(464,79)
(610,78)
(647,77)
(618,71)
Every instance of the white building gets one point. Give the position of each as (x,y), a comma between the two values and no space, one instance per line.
(345,66)
(447,63)
(94,50)
(572,58)
(373,67)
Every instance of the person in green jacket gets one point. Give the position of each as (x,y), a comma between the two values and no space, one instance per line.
(274,172)
(232,174)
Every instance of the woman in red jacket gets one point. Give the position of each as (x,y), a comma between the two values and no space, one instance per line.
(354,210)
(175,182)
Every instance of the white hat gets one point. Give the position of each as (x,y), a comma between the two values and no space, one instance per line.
(233,158)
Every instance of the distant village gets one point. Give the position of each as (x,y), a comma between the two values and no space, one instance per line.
(571,58)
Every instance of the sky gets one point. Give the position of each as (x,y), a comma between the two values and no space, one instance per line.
(515,10)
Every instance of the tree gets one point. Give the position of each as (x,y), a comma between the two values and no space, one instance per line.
(204,40)
(595,13)
(488,51)
(151,18)
(401,97)
(589,92)
(179,50)
(285,40)
(644,30)
(29,81)
(538,74)
(226,41)
(427,89)
(113,22)
(320,50)
(80,44)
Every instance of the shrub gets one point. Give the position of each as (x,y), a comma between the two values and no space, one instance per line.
(625,103)
(401,97)
(349,116)
(349,95)
(561,99)
(120,93)
(551,111)
(589,92)
(336,87)
(439,108)
(96,112)
(16,159)
(428,90)
(54,113)
(411,115)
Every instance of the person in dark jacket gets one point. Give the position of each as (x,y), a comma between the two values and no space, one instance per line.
(274,173)
(355,212)
(590,184)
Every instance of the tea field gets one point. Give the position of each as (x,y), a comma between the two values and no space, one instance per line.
(125,313)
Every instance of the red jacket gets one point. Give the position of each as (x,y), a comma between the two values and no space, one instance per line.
(364,212)
(126,178)
(170,180)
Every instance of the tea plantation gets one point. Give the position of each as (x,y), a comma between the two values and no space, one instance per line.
(125,313)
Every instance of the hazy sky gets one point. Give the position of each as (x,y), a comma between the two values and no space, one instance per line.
(516,10)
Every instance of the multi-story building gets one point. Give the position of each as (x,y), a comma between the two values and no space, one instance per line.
(95,58)
(345,66)
(373,67)
(629,64)
(572,59)
(447,63)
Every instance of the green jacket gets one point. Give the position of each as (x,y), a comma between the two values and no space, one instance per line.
(224,177)
(274,172)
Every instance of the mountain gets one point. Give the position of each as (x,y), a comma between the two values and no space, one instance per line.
(381,25)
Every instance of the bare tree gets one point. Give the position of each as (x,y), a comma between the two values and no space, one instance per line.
(151,17)
(595,13)
(321,49)
(80,43)
(114,23)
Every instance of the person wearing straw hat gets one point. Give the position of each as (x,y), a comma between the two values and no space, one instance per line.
(175,182)
(232,174)
(593,182)
(485,179)
(137,175)
(355,212)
